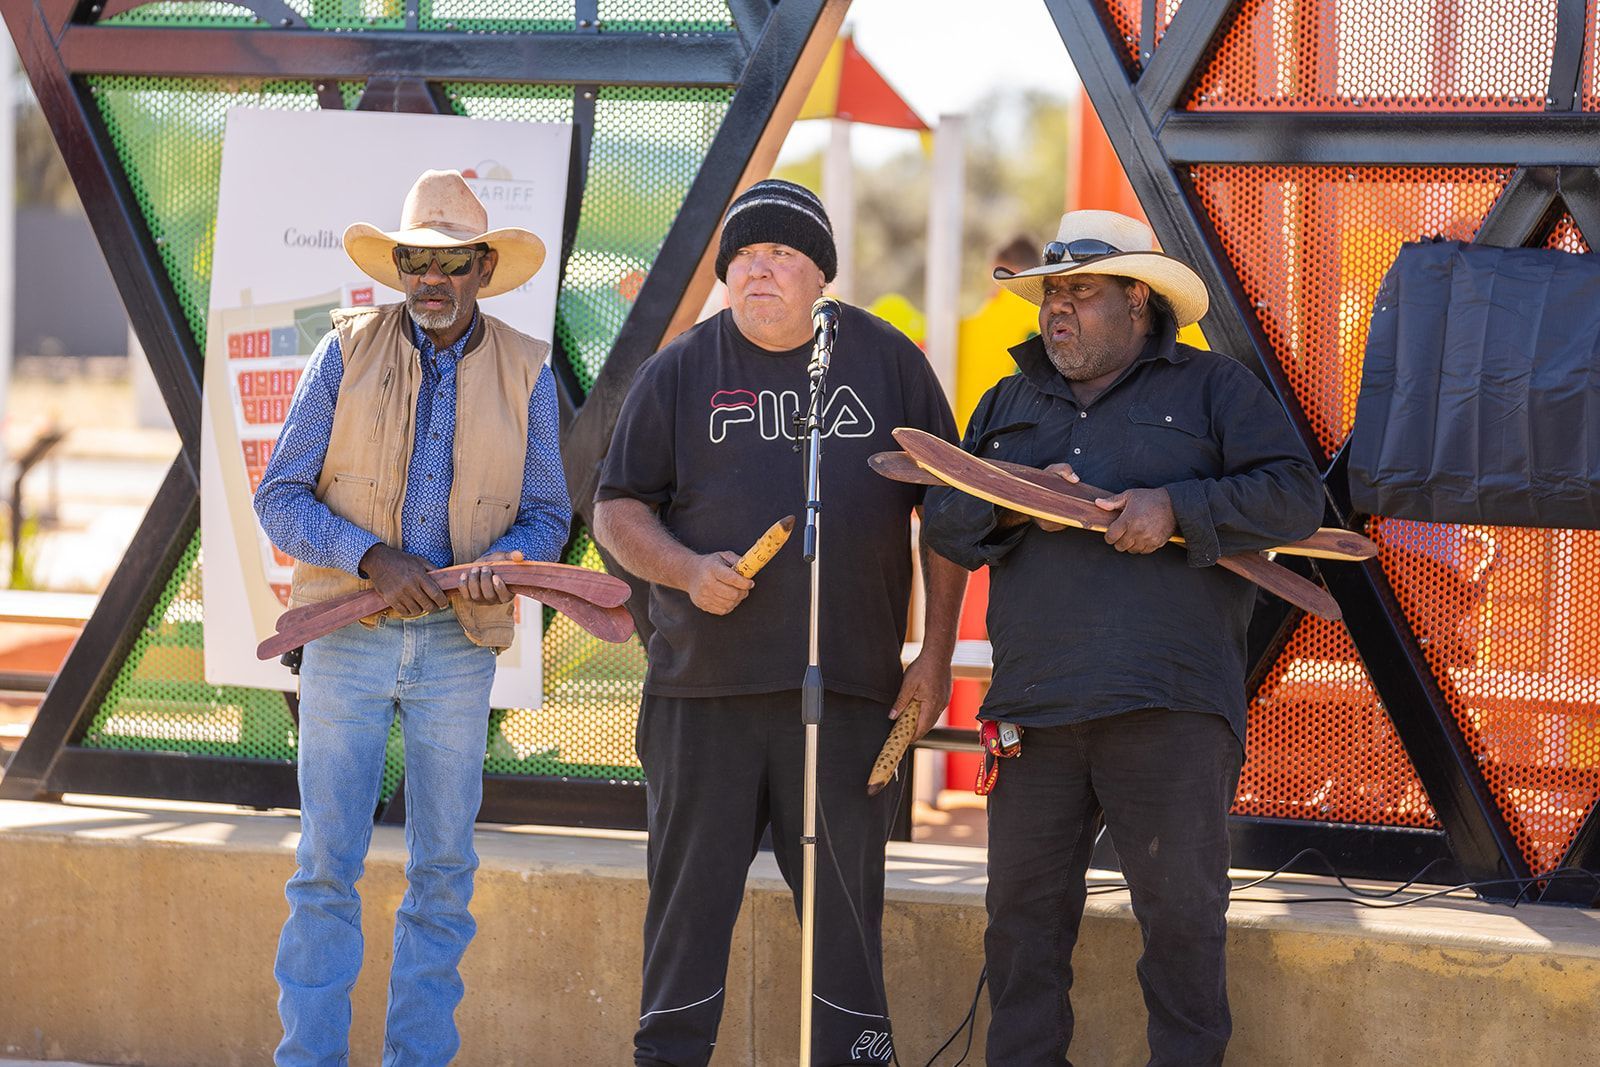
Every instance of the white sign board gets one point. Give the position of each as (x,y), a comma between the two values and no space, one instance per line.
(291,183)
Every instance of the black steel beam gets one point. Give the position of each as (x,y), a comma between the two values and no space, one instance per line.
(1391,853)
(1444,762)
(176,776)
(1375,138)
(747,122)
(1566,65)
(1183,231)
(1522,212)
(1169,70)
(749,19)
(1582,855)
(99,651)
(1386,853)
(607,805)
(1579,189)
(711,59)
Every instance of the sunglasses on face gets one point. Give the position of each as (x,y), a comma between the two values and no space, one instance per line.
(1077,251)
(453,262)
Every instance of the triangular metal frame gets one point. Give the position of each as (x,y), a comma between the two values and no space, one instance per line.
(1555,153)
(769,57)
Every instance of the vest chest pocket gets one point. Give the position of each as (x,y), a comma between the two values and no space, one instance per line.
(491,517)
(352,498)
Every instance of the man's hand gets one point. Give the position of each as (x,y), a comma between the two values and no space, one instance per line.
(927,679)
(1146,521)
(1008,518)
(714,586)
(402,580)
(483,585)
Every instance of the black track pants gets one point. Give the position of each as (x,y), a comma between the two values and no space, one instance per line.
(718,771)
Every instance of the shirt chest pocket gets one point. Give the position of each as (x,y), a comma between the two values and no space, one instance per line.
(1168,443)
(1014,442)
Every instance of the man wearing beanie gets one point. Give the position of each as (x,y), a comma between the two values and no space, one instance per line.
(703,460)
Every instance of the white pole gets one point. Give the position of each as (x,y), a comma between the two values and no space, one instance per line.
(943,294)
(839,197)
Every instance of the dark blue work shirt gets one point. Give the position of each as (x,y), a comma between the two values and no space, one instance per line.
(1082,631)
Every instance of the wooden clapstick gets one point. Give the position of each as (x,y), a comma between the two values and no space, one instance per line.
(765,547)
(894,747)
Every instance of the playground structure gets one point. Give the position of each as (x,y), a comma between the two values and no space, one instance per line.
(1285,149)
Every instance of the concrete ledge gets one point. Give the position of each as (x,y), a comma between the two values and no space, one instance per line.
(133,932)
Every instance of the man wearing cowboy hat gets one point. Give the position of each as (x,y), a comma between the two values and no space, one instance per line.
(1122,660)
(423,434)
(704,458)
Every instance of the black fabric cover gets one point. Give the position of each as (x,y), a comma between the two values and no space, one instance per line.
(1480,395)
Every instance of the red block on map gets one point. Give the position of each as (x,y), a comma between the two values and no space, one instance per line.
(235,346)
(361,297)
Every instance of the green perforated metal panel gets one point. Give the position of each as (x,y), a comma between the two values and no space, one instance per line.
(448,16)
(195,16)
(648,145)
(160,699)
(168,135)
(504,16)
(665,16)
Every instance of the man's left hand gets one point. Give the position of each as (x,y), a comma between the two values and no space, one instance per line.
(1145,521)
(927,679)
(483,585)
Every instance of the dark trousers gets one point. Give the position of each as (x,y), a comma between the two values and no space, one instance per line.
(718,772)
(1163,781)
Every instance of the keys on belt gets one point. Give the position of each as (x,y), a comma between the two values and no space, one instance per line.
(999,740)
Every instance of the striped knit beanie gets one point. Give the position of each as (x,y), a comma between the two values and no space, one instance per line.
(783,213)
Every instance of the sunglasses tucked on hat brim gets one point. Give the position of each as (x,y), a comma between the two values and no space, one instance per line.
(1172,279)
(521,252)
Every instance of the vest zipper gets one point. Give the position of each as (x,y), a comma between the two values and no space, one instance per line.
(383,401)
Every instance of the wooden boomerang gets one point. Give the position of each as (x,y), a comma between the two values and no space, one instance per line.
(608,624)
(597,588)
(987,482)
(1327,543)
(591,599)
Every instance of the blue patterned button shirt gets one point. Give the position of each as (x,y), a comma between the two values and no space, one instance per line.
(304,527)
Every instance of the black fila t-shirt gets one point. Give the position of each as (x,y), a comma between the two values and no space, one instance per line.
(707,434)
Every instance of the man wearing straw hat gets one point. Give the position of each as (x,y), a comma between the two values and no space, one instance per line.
(423,434)
(1121,660)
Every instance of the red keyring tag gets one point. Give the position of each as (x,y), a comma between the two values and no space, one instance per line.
(996,745)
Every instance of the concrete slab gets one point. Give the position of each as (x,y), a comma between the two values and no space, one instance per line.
(142,932)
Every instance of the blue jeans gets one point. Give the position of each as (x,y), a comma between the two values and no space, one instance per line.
(353,682)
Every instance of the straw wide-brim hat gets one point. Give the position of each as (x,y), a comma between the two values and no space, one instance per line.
(1137,258)
(442,211)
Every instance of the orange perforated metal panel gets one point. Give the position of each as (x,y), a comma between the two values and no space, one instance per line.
(1566,236)
(1380,55)
(1122,18)
(1311,244)
(1509,621)
(1320,745)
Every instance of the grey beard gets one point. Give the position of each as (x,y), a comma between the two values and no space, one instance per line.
(433,320)
(1092,363)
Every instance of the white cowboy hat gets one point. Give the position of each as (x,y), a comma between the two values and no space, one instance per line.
(442,211)
(1110,243)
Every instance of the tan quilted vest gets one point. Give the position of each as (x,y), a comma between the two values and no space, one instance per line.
(363,477)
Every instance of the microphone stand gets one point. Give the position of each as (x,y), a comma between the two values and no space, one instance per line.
(811,686)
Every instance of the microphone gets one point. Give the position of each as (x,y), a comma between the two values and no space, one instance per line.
(824,324)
